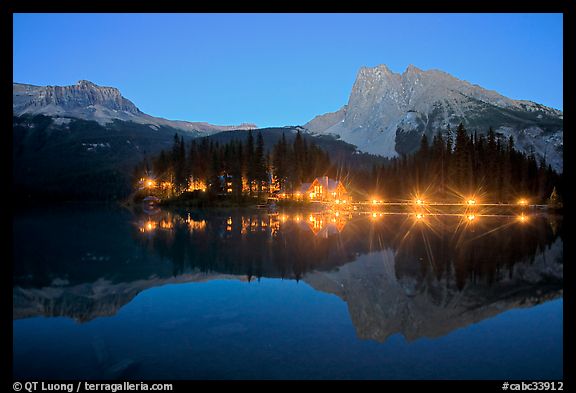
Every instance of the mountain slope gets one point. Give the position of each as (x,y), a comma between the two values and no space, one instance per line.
(83,141)
(387,114)
(88,101)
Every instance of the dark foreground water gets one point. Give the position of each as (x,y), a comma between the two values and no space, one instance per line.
(108,293)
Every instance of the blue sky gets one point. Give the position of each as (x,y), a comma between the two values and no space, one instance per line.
(282,69)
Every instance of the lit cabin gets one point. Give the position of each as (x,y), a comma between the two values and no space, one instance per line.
(325,189)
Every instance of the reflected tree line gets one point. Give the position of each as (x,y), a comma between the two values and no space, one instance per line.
(290,246)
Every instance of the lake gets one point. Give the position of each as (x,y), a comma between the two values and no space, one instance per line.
(106,292)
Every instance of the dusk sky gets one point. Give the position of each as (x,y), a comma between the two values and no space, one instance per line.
(282,69)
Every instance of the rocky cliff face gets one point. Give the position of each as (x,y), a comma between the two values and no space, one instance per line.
(85,94)
(387,113)
(88,101)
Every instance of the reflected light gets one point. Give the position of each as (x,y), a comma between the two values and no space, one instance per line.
(470,217)
(471,201)
(419,202)
(419,216)
(149,226)
(523,202)
(522,218)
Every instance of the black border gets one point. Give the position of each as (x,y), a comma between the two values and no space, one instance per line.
(566,7)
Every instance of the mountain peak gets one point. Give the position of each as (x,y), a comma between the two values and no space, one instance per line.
(88,101)
(412,69)
(85,82)
(387,113)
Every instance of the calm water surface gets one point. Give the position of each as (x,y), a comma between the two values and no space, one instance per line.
(104,292)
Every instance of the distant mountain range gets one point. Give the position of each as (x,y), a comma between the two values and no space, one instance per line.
(387,114)
(82,141)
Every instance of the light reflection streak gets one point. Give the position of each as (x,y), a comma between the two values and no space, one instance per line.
(325,224)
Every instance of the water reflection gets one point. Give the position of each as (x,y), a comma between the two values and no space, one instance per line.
(418,274)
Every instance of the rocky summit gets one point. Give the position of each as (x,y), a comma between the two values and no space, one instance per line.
(387,114)
(87,101)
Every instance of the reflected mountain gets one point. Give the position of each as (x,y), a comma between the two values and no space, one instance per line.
(420,276)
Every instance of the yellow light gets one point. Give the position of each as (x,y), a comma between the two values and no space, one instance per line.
(337,202)
(166,224)
(471,217)
(311,218)
(419,202)
(337,214)
(311,195)
(419,216)
(374,215)
(374,201)
(522,218)
(522,202)
(343,201)
(150,183)
(298,218)
(229,221)
(471,201)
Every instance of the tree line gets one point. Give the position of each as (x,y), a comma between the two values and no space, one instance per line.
(238,167)
(460,163)
(452,165)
